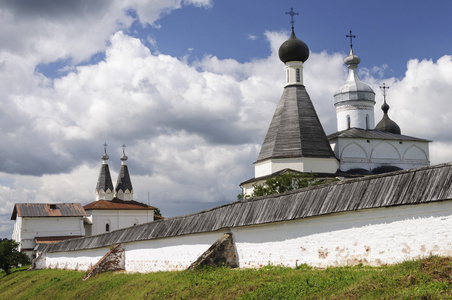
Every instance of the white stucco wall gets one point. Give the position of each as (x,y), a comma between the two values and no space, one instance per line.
(117,219)
(27,228)
(75,260)
(369,154)
(358,111)
(168,254)
(17,230)
(291,73)
(302,164)
(371,237)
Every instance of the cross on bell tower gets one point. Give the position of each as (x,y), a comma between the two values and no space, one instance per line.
(351,38)
(291,13)
(384,88)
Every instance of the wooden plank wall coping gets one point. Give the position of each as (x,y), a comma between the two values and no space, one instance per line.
(407,187)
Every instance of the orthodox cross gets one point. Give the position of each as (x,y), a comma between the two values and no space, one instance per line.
(291,13)
(105,147)
(351,38)
(124,149)
(384,88)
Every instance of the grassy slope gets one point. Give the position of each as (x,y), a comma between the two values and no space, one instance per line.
(422,279)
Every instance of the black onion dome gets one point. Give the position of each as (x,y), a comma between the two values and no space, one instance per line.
(293,50)
(386,124)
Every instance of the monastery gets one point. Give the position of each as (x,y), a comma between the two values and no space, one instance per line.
(114,208)
(378,219)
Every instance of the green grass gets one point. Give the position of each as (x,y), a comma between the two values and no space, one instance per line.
(430,278)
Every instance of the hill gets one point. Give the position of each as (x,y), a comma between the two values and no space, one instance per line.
(429,278)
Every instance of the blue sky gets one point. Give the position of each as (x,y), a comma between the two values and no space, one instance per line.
(190,88)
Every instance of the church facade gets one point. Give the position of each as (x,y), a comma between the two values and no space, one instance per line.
(362,148)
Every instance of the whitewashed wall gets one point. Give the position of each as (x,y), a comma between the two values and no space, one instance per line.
(168,254)
(371,237)
(26,229)
(117,219)
(75,260)
(369,154)
(302,164)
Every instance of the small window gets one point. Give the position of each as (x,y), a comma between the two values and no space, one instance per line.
(107,227)
(367,121)
(298,75)
(349,122)
(53,206)
(287,77)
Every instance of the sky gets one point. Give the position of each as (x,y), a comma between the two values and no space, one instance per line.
(190,86)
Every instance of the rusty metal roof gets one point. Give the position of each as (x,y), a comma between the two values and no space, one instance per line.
(48,210)
(54,239)
(117,204)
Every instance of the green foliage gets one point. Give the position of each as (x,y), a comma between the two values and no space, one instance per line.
(240,197)
(284,183)
(10,256)
(157,212)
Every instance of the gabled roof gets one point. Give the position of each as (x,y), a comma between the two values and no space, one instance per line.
(372,134)
(407,187)
(117,204)
(295,130)
(48,210)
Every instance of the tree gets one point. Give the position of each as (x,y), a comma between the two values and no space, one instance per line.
(284,183)
(10,256)
(157,212)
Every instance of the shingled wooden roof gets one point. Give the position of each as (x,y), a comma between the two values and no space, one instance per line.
(407,187)
(295,130)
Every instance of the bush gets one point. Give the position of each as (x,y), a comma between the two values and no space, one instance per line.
(10,256)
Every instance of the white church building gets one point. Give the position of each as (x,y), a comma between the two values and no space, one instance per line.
(362,148)
(296,140)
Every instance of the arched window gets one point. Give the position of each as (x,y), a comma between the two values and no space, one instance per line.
(107,227)
(349,122)
(298,75)
(367,121)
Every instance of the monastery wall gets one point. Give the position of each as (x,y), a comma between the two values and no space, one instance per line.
(369,236)
(82,260)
